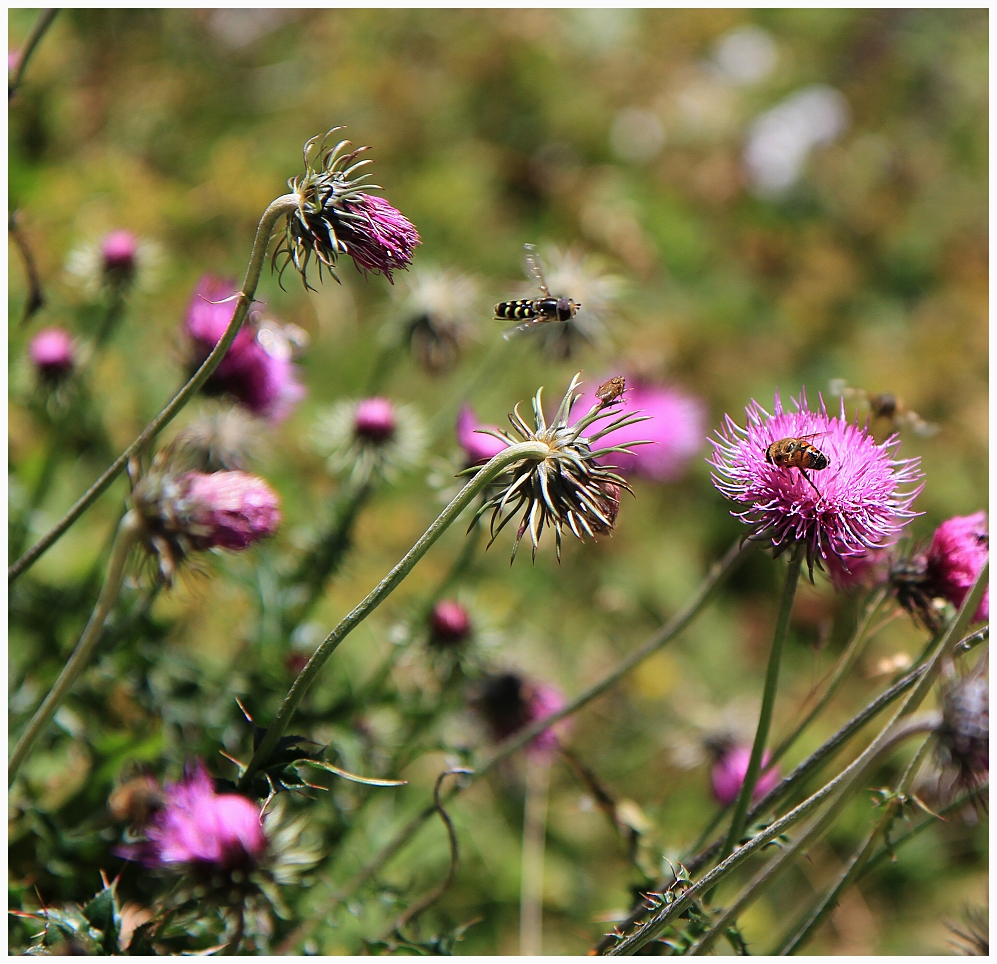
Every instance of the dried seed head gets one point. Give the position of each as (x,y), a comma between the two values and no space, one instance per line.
(569,487)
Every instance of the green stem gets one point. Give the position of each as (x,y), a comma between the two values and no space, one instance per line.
(277,209)
(514,453)
(737,822)
(844,667)
(127,535)
(43,483)
(42,24)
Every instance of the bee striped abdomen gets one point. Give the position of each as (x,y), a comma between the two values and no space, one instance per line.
(515,310)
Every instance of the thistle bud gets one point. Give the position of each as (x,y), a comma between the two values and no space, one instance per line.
(119,250)
(52,354)
(449,624)
(374,420)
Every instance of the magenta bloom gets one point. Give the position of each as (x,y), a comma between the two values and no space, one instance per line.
(449,623)
(477,446)
(51,351)
(860,506)
(862,572)
(958,552)
(198,829)
(228,510)
(727,775)
(119,250)
(374,419)
(378,237)
(508,703)
(675,425)
(264,383)
(13,60)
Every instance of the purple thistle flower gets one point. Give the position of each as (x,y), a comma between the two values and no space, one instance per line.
(859,507)
(228,510)
(508,703)
(958,552)
(382,240)
(200,830)
(374,419)
(449,624)
(728,773)
(52,354)
(477,446)
(674,425)
(263,382)
(119,249)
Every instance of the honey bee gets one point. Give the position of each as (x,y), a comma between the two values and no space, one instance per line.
(797,453)
(886,405)
(539,311)
(610,391)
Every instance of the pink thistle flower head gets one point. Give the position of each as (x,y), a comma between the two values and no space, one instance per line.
(263,381)
(119,249)
(374,419)
(472,438)
(200,830)
(337,216)
(507,703)
(674,424)
(958,552)
(52,353)
(228,510)
(859,507)
(449,623)
(731,767)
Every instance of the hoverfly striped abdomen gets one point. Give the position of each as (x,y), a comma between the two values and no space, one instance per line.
(516,310)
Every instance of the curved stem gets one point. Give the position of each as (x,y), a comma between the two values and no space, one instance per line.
(505,458)
(845,664)
(42,24)
(127,534)
(278,208)
(737,822)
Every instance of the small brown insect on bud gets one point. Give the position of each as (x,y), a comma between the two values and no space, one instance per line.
(612,390)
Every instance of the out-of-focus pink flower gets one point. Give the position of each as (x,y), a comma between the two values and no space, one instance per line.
(477,446)
(374,419)
(228,510)
(964,736)
(264,383)
(859,572)
(958,551)
(508,703)
(449,623)
(860,506)
(52,354)
(727,775)
(200,829)
(13,60)
(675,426)
(119,250)
(381,239)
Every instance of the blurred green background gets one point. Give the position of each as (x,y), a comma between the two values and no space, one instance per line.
(636,135)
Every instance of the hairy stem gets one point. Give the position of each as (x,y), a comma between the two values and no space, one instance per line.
(42,24)
(277,209)
(737,822)
(126,537)
(509,456)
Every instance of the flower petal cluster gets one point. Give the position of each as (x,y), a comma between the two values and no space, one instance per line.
(860,505)
(675,426)
(336,216)
(477,440)
(369,437)
(449,624)
(728,773)
(958,552)
(258,376)
(52,353)
(508,702)
(569,487)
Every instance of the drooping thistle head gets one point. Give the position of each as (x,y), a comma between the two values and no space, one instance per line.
(570,487)
(336,216)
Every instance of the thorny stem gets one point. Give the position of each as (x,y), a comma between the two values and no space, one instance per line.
(276,210)
(737,553)
(515,453)
(42,24)
(819,913)
(126,537)
(845,664)
(743,802)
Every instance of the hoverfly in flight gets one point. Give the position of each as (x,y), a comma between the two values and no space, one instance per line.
(538,311)
(887,406)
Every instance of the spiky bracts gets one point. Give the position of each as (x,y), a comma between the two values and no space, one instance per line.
(568,488)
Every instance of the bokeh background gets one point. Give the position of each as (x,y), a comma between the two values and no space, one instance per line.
(791,196)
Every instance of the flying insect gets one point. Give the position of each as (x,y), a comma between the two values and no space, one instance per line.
(537,311)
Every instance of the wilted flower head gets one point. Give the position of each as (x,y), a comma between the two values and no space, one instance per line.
(449,624)
(335,216)
(435,316)
(859,506)
(117,263)
(507,702)
(256,370)
(568,487)
(730,768)
(964,736)
(474,438)
(52,353)
(183,512)
(370,436)
(675,425)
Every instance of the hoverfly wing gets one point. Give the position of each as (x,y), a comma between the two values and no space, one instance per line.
(522,329)
(918,425)
(533,267)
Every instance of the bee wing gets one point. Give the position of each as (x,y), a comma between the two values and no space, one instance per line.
(533,267)
(918,425)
